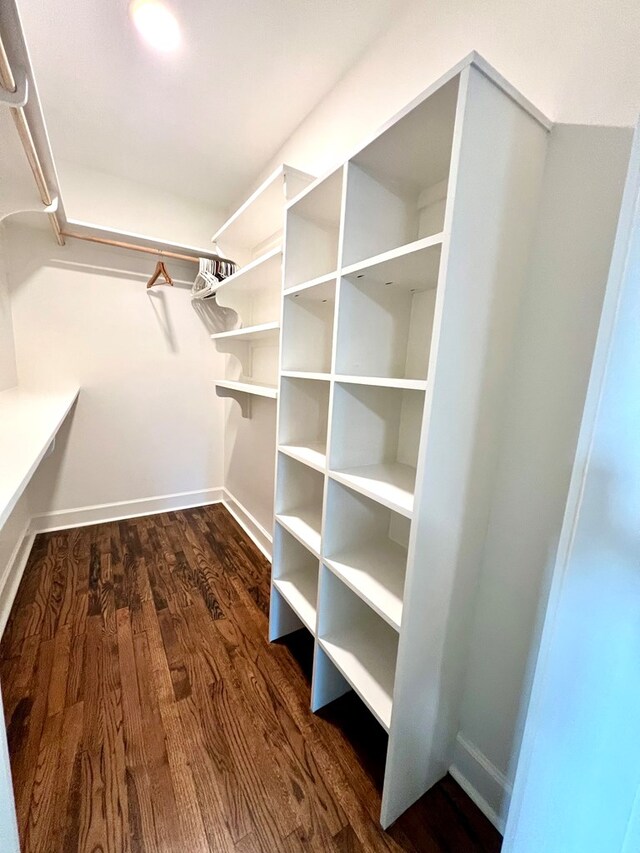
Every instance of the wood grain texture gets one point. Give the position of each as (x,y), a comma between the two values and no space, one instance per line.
(147,711)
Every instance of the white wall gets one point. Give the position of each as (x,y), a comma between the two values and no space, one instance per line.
(8,375)
(559,319)
(578,781)
(93,196)
(577,61)
(147,422)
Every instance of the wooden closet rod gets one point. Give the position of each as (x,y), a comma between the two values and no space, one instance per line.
(119,244)
(24,132)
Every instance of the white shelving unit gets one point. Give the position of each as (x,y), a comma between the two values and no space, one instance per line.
(403,275)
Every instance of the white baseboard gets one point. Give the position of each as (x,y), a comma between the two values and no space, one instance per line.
(82,516)
(13,575)
(251,526)
(487,786)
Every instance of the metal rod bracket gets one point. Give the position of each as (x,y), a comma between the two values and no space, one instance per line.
(19,98)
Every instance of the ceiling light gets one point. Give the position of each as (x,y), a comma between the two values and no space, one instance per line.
(156,24)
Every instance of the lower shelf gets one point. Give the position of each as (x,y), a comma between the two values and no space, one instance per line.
(300,591)
(391,484)
(305,524)
(375,571)
(366,654)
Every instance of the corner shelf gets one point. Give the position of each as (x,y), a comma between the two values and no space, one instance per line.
(256,388)
(251,277)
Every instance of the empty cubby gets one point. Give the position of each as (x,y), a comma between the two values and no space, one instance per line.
(359,643)
(302,429)
(366,544)
(299,494)
(375,434)
(295,575)
(397,185)
(308,329)
(385,317)
(312,231)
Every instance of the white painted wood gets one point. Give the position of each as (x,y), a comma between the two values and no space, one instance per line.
(249,333)
(306,374)
(299,495)
(314,454)
(360,644)
(436,217)
(498,156)
(388,178)
(252,276)
(383,382)
(591,627)
(248,387)
(365,545)
(304,406)
(391,484)
(29,422)
(312,229)
(410,266)
(308,329)
(260,216)
(295,578)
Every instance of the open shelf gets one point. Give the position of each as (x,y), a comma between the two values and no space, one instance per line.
(249,333)
(385,317)
(312,231)
(384,382)
(261,215)
(397,185)
(374,442)
(299,494)
(295,576)
(265,270)
(308,329)
(306,374)
(360,645)
(302,428)
(248,387)
(29,422)
(366,547)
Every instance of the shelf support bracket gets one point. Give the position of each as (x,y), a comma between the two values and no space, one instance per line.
(18,98)
(242,399)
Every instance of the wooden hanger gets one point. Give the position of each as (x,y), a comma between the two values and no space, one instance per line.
(160,270)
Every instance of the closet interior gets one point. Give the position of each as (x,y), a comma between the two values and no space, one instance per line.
(362,328)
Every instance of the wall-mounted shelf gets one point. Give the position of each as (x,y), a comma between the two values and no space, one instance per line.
(249,333)
(403,273)
(29,422)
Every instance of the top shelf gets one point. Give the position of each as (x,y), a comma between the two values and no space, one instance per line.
(29,422)
(261,215)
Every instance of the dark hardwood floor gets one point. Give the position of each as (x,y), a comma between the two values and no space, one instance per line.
(147,712)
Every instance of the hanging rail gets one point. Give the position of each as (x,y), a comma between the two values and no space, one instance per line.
(122,245)
(8,82)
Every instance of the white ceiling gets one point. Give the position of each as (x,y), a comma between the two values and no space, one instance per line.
(203,122)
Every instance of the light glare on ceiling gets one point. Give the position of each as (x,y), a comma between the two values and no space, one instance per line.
(156,24)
